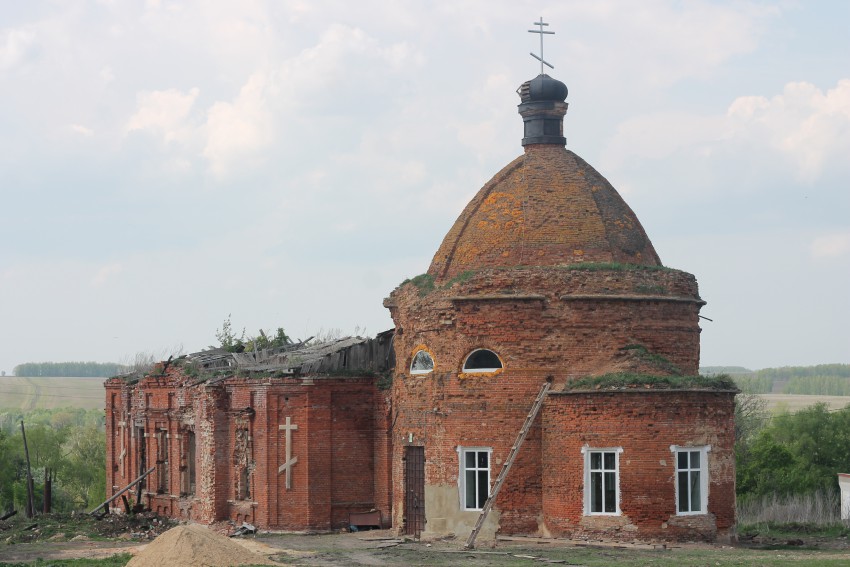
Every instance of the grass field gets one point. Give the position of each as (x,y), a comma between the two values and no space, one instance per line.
(796,402)
(46,393)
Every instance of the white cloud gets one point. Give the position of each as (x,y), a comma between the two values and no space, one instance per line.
(804,131)
(807,126)
(80,129)
(831,246)
(337,77)
(164,113)
(106,75)
(659,135)
(105,273)
(656,43)
(14,45)
(239,130)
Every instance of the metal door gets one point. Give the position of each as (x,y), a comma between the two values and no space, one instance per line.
(414,490)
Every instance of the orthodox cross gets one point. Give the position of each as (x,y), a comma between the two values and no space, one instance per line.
(289,427)
(541,31)
(123,425)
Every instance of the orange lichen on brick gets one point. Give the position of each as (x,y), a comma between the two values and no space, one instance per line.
(544,206)
(464,375)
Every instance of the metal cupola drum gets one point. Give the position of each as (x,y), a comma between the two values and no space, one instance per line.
(543,107)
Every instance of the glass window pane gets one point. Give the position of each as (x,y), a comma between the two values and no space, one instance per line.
(482,359)
(609,461)
(482,459)
(483,488)
(422,362)
(469,481)
(696,505)
(470,459)
(596,492)
(595,461)
(695,459)
(683,491)
(610,492)
(682,460)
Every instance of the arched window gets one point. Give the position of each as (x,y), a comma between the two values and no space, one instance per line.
(422,363)
(482,360)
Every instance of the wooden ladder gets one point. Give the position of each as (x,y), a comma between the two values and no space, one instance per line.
(520,438)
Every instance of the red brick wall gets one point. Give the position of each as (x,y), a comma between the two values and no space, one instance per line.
(645,424)
(542,322)
(341,445)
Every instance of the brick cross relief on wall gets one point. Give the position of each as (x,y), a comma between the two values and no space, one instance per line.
(123,425)
(289,427)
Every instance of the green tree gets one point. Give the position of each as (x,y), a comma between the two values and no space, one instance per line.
(797,453)
(83,470)
(227,339)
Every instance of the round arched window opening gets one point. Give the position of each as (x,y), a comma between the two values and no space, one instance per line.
(482,360)
(422,363)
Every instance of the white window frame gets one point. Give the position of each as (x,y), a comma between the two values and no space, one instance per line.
(429,355)
(704,450)
(466,370)
(586,451)
(461,478)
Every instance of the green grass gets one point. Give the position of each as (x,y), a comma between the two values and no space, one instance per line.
(615,267)
(606,556)
(425,283)
(795,529)
(114,561)
(26,394)
(624,381)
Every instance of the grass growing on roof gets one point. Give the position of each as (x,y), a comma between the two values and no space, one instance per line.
(625,381)
(615,266)
(425,283)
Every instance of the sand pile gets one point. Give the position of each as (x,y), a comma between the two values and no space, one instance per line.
(195,546)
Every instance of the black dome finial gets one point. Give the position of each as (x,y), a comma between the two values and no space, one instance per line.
(543,107)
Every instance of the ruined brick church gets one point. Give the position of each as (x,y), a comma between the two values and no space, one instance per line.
(547,277)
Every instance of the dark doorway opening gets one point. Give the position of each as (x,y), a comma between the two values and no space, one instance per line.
(414,490)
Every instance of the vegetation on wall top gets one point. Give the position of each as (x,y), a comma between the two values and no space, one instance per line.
(629,381)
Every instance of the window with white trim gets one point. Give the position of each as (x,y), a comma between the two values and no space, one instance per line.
(474,476)
(691,479)
(482,360)
(422,363)
(602,481)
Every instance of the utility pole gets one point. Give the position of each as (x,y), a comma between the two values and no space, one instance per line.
(30,504)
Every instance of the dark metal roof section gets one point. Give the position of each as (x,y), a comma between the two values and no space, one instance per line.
(542,110)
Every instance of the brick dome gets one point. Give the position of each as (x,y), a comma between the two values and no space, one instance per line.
(548,207)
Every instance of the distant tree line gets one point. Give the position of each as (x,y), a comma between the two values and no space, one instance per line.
(70,369)
(788,372)
(819,380)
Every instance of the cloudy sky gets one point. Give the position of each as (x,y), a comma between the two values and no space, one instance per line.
(165,164)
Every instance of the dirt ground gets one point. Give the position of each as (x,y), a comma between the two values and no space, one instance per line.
(382,548)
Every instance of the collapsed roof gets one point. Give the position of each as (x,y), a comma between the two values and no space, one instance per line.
(348,354)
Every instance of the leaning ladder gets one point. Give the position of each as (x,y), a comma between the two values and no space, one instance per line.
(520,438)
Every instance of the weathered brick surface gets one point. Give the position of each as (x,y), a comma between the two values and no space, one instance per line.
(509,278)
(547,207)
(341,445)
(547,267)
(644,424)
(564,324)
